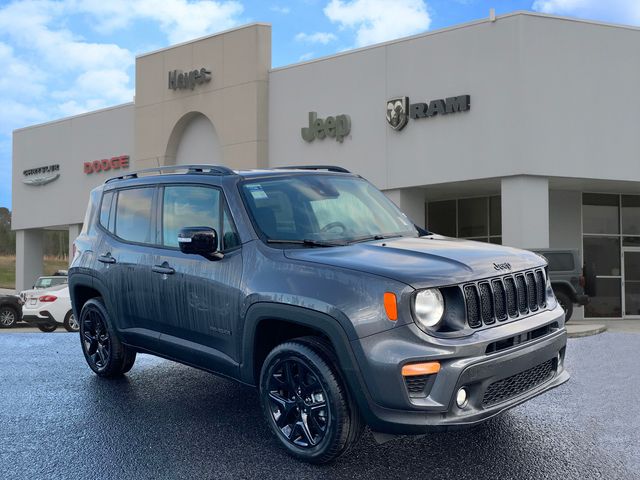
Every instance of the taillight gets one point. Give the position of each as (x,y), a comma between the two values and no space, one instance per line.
(582,281)
(48,298)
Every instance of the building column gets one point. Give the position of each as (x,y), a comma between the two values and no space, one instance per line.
(410,201)
(74,231)
(525,211)
(29,254)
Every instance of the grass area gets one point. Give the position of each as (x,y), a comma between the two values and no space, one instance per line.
(8,269)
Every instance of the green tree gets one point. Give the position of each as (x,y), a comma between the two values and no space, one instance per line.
(7,237)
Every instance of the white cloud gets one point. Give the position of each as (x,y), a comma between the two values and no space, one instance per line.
(318,37)
(279,9)
(376,21)
(306,56)
(617,11)
(180,20)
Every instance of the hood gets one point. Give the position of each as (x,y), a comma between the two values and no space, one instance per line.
(421,262)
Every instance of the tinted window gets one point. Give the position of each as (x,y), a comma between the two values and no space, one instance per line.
(189,206)
(230,237)
(105,209)
(442,217)
(631,214)
(559,261)
(323,207)
(600,213)
(133,216)
(472,217)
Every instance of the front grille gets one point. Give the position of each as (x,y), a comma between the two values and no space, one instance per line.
(473,306)
(519,383)
(504,297)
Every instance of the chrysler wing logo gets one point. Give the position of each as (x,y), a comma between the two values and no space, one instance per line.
(397,112)
(502,266)
(41,180)
(41,175)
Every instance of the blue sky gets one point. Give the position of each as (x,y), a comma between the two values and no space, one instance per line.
(65,57)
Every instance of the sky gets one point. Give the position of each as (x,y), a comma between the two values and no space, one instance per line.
(62,58)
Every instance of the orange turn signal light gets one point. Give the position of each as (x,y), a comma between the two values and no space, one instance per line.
(391,306)
(413,369)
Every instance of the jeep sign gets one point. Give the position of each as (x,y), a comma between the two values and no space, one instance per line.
(336,127)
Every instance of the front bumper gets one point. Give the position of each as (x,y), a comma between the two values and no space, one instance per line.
(464,363)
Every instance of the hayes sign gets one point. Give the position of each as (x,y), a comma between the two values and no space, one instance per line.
(179,80)
(336,127)
(399,110)
(106,164)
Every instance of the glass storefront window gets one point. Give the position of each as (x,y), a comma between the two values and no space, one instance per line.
(600,213)
(608,301)
(472,217)
(477,218)
(495,216)
(442,218)
(631,214)
(603,255)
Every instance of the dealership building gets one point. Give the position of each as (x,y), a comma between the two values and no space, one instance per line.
(522,129)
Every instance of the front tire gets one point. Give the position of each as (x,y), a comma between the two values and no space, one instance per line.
(305,402)
(102,349)
(8,317)
(566,304)
(70,323)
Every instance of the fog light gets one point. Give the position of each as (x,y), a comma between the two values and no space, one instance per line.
(461,398)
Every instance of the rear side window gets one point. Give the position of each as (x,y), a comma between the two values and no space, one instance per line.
(105,210)
(133,215)
(560,262)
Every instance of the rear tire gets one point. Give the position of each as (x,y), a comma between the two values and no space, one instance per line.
(70,322)
(306,403)
(104,352)
(567,305)
(48,328)
(8,317)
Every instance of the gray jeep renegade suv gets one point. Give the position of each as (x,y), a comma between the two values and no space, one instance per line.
(309,284)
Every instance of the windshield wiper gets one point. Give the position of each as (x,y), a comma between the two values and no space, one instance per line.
(374,237)
(309,243)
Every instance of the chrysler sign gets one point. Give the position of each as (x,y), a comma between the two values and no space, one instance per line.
(399,110)
(41,175)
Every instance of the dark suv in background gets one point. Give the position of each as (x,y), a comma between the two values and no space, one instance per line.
(570,280)
(309,284)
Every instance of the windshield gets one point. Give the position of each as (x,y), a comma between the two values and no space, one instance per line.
(323,208)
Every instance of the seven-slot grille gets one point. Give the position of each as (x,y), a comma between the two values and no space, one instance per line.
(504,297)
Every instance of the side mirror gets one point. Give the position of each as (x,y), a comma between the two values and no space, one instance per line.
(198,241)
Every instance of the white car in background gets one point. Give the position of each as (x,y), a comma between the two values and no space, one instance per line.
(48,308)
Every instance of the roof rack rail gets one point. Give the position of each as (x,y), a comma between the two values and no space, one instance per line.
(329,168)
(205,169)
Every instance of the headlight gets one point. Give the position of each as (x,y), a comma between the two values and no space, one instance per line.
(428,307)
(551,297)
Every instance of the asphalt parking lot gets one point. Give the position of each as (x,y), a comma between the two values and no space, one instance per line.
(164,420)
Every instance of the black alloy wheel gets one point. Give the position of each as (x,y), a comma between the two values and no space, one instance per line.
(566,304)
(298,403)
(305,401)
(102,349)
(96,339)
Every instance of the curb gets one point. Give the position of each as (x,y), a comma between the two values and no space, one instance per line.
(579,330)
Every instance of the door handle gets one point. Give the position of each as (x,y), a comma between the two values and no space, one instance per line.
(106,258)
(165,269)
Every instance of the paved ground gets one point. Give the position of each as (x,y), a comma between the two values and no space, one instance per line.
(169,421)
